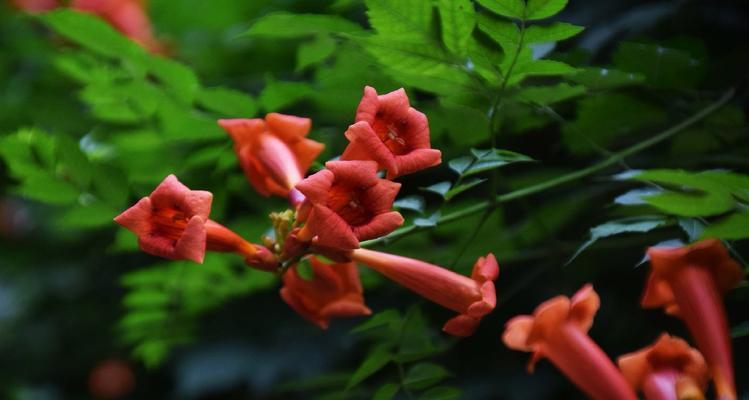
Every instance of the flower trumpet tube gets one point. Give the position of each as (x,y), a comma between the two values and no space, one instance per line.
(346,203)
(274,152)
(558,330)
(472,297)
(333,291)
(688,282)
(666,370)
(172,222)
(392,133)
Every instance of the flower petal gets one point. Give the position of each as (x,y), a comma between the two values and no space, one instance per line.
(137,218)
(379,198)
(316,186)
(379,225)
(461,326)
(359,173)
(363,137)
(290,128)
(191,245)
(583,307)
(198,202)
(415,160)
(332,230)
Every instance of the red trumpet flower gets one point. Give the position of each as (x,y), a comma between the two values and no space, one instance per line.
(334,291)
(558,330)
(666,370)
(472,297)
(688,282)
(172,222)
(127,16)
(388,130)
(346,203)
(273,153)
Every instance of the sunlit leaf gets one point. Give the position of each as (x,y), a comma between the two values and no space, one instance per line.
(540,9)
(288,25)
(458,19)
(554,32)
(505,8)
(732,227)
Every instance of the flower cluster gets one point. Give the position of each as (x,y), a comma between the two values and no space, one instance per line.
(332,212)
(127,16)
(687,282)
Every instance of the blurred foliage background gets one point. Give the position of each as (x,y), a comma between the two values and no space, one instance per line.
(89,122)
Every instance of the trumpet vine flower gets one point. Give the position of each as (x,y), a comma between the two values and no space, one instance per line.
(558,330)
(392,133)
(334,291)
(688,282)
(472,297)
(346,203)
(666,370)
(172,222)
(274,152)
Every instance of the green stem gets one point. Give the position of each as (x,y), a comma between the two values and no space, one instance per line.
(613,159)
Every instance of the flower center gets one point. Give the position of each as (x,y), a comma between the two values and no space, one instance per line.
(346,202)
(391,132)
(168,222)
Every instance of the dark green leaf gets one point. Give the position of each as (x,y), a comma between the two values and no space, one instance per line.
(441,393)
(48,189)
(662,67)
(71,162)
(458,19)
(314,52)
(89,216)
(605,78)
(488,159)
(386,391)
(278,95)
(287,25)
(424,375)
(463,187)
(546,95)
(414,203)
(440,188)
(381,319)
(375,361)
(461,164)
(740,330)
(110,185)
(627,225)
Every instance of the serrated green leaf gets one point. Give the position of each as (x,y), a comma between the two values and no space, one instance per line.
(505,33)
(403,20)
(441,393)
(288,25)
(732,227)
(506,8)
(605,78)
(228,102)
(413,203)
(386,391)
(627,225)
(375,361)
(458,19)
(278,95)
(547,95)
(314,52)
(554,32)
(424,375)
(471,183)
(540,9)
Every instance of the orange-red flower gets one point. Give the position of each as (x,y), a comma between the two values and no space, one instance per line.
(558,330)
(346,203)
(472,297)
(36,5)
(111,379)
(172,222)
(274,153)
(388,130)
(688,282)
(334,291)
(666,370)
(127,16)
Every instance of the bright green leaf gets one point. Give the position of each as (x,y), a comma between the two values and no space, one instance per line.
(540,9)
(178,78)
(288,25)
(404,20)
(506,8)
(278,95)
(228,102)
(89,216)
(690,194)
(458,19)
(732,227)
(554,32)
(48,189)
(505,33)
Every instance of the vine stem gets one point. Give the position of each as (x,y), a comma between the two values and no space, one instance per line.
(613,159)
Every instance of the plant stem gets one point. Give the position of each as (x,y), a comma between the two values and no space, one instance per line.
(613,159)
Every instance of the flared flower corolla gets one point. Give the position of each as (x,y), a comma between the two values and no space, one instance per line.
(688,282)
(558,330)
(333,291)
(666,370)
(346,203)
(392,133)
(472,297)
(172,222)
(274,152)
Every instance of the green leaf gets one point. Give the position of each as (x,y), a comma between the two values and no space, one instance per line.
(554,32)
(547,95)
(603,118)
(463,187)
(404,20)
(110,185)
(288,25)
(71,162)
(179,79)
(663,67)
(605,78)
(458,19)
(505,33)
(413,203)
(505,8)
(424,375)
(314,52)
(379,320)
(89,216)
(691,195)
(228,102)
(540,9)
(48,189)
(441,393)
(93,33)
(737,184)
(386,391)
(692,227)
(740,330)
(375,361)
(464,125)
(146,298)
(528,68)
(626,225)
(278,95)
(440,188)
(733,227)
(488,159)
